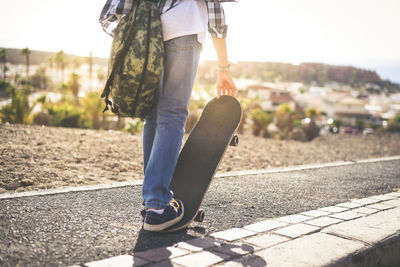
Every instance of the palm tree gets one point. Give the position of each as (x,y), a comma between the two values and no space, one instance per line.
(74,86)
(60,59)
(26,52)
(50,62)
(90,62)
(3,59)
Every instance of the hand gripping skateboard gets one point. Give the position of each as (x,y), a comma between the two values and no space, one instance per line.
(201,155)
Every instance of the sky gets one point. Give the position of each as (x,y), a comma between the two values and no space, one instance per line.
(362,33)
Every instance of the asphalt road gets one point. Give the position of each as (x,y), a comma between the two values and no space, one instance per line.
(75,228)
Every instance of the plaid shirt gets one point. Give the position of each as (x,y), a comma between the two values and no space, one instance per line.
(113,10)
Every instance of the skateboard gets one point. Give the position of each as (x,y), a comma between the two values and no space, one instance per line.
(201,155)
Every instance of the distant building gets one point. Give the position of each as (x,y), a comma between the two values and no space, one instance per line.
(271,98)
(392,111)
(318,91)
(346,108)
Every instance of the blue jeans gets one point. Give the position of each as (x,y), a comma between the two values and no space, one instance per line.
(164,127)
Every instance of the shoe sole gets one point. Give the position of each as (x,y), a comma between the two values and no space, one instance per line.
(163,226)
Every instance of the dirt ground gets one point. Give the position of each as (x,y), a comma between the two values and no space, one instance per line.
(34,157)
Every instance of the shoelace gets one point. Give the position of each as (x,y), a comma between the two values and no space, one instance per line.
(174,203)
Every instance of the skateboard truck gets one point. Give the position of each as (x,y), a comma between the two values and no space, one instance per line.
(143,213)
(234,140)
(199,216)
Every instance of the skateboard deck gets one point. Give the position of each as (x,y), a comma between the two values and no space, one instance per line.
(201,155)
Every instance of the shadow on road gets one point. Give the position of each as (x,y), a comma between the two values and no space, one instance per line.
(158,243)
(148,240)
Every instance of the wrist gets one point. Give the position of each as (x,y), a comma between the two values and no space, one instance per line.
(224,68)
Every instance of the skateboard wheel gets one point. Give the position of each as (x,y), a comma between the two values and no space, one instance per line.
(199,216)
(234,140)
(143,213)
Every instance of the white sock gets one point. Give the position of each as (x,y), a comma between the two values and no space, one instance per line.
(159,211)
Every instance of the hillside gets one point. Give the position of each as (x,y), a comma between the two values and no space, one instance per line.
(38,57)
(304,72)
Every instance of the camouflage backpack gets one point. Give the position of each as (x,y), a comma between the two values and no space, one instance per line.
(136,62)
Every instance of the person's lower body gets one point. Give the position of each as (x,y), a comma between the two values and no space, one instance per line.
(164,126)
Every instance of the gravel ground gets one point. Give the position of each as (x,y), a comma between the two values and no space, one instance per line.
(34,157)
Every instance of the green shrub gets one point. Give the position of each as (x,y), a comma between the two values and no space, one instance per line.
(311,130)
(298,134)
(394,124)
(135,126)
(285,120)
(360,124)
(337,123)
(261,120)
(67,115)
(5,88)
(93,105)
(312,113)
(39,79)
(297,123)
(19,110)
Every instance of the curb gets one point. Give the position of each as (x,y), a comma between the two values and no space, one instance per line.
(361,232)
(306,167)
(220,175)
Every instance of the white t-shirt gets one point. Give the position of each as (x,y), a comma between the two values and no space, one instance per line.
(187,18)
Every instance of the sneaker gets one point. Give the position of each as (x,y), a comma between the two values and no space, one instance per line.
(172,214)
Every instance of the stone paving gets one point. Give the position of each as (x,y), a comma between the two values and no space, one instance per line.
(357,233)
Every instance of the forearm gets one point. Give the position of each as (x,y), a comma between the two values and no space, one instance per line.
(221,50)
(225,84)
